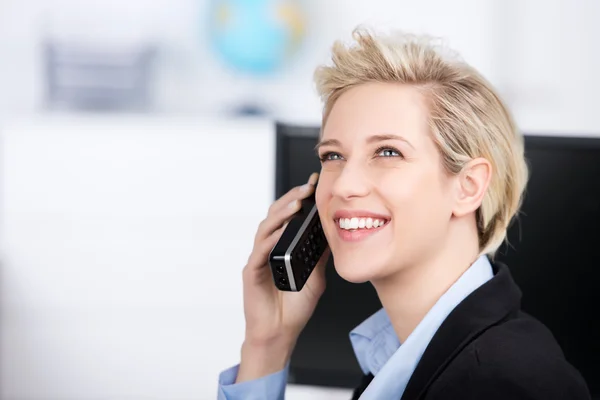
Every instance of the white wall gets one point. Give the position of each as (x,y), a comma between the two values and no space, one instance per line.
(123,243)
(548,58)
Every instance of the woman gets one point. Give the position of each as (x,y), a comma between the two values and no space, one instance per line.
(422,172)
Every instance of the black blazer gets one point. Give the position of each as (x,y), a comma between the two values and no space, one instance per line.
(488,349)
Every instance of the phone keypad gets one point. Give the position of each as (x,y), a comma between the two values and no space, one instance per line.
(308,252)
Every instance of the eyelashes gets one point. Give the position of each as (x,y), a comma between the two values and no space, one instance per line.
(330,156)
(390,151)
(381,152)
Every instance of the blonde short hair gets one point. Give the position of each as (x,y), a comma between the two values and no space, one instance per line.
(467,117)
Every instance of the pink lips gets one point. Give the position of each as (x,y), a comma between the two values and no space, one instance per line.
(358,234)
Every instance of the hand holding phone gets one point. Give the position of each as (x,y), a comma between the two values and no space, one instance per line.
(275,318)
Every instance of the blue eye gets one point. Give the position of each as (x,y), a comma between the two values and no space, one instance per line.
(388,152)
(330,157)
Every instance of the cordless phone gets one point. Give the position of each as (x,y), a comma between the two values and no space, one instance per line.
(299,249)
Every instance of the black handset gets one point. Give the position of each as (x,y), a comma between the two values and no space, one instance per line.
(299,249)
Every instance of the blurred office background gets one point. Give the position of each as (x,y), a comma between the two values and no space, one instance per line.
(137,158)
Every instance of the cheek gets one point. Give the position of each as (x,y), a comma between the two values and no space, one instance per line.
(402,186)
(414,192)
(323,193)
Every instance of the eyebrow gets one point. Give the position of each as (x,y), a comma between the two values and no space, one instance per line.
(328,142)
(371,139)
(383,137)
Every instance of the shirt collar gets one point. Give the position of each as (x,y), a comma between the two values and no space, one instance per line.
(374,341)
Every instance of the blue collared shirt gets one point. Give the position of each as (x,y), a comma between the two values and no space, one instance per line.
(376,347)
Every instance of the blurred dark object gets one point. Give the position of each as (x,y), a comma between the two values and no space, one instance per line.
(249,109)
(552,256)
(90,77)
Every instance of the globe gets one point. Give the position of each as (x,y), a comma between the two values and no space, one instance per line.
(256,37)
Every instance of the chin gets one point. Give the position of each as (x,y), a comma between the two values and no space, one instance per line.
(355,268)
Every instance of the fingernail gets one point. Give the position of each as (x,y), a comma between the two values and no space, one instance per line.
(305,188)
(293,204)
(313,178)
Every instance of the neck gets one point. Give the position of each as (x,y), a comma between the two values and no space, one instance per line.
(409,294)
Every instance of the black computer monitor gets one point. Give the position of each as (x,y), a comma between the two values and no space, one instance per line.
(552,256)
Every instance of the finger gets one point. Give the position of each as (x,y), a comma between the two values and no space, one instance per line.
(261,251)
(297,193)
(276,221)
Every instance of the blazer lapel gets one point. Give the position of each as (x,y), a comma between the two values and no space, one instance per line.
(366,380)
(482,309)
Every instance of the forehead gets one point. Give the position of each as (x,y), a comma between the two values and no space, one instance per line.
(378,108)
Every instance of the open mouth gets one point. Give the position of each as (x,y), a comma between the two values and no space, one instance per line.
(360,223)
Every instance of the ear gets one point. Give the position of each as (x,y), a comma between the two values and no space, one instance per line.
(472,183)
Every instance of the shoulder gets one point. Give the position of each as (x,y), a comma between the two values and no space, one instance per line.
(521,340)
(517,359)
(523,354)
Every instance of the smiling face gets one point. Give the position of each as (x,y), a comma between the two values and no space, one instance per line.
(384,199)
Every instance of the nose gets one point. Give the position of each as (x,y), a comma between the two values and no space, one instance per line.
(351,182)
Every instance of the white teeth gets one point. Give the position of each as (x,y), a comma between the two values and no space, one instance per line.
(360,223)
